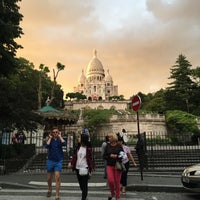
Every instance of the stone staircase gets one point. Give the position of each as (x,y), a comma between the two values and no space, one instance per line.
(168,160)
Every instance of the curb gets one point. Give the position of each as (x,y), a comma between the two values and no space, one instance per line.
(156,188)
(132,187)
(9,185)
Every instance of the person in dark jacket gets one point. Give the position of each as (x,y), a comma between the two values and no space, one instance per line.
(111,154)
(55,158)
(103,147)
(82,164)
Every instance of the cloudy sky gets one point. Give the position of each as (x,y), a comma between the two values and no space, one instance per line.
(137,40)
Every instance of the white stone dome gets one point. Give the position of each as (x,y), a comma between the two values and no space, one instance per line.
(95,66)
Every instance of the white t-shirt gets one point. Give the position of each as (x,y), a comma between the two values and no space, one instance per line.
(81,158)
(127,151)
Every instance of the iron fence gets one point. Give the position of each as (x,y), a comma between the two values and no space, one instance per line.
(162,152)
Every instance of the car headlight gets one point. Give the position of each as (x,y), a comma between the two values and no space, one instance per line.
(197,173)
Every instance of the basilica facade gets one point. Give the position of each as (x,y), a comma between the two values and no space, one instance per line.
(95,84)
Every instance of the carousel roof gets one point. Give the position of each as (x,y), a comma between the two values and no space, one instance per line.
(48,109)
(48,112)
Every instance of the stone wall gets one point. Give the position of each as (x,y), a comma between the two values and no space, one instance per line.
(84,104)
(147,123)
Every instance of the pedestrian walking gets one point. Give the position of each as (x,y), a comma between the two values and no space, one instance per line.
(82,164)
(103,147)
(111,154)
(55,158)
(124,135)
(21,137)
(126,162)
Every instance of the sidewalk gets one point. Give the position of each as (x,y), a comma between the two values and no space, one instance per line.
(152,182)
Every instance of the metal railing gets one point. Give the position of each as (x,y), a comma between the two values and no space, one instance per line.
(163,152)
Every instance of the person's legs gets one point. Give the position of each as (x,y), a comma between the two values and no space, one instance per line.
(124,178)
(117,178)
(111,179)
(57,179)
(49,182)
(50,173)
(58,169)
(79,179)
(83,183)
(105,173)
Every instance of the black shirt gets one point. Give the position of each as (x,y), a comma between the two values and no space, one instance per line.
(112,150)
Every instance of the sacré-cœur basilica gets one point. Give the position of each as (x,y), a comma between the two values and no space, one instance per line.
(97,86)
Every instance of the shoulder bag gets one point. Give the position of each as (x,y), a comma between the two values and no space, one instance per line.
(83,171)
(120,166)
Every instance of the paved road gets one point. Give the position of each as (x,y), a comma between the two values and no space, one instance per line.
(34,187)
(151,182)
(39,194)
(13,194)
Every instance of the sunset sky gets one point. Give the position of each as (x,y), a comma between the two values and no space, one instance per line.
(137,40)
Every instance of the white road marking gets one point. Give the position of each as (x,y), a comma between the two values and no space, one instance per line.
(68,184)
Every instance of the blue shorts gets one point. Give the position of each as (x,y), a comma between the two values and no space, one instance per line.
(54,166)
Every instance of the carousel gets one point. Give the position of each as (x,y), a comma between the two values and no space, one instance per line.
(64,120)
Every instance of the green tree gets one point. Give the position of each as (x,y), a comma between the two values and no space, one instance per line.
(19,98)
(196,75)
(43,70)
(9,31)
(179,94)
(194,105)
(59,67)
(155,102)
(181,122)
(77,95)
(119,98)
(94,118)
(145,99)
(47,88)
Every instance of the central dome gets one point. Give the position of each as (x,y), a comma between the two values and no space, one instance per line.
(95,66)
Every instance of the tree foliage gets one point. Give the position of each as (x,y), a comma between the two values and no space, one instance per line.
(182,94)
(118,98)
(179,94)
(181,122)
(93,118)
(43,70)
(155,102)
(9,31)
(196,75)
(75,96)
(59,67)
(19,97)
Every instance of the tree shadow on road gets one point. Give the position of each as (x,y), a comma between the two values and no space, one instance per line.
(194,196)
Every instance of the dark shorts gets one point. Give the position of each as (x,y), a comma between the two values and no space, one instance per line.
(53,166)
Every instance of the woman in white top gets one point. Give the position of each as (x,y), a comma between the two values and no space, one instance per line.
(82,164)
(125,160)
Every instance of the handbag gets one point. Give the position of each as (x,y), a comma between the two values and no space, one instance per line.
(83,171)
(120,166)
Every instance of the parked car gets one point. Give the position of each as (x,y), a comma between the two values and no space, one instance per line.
(191,178)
